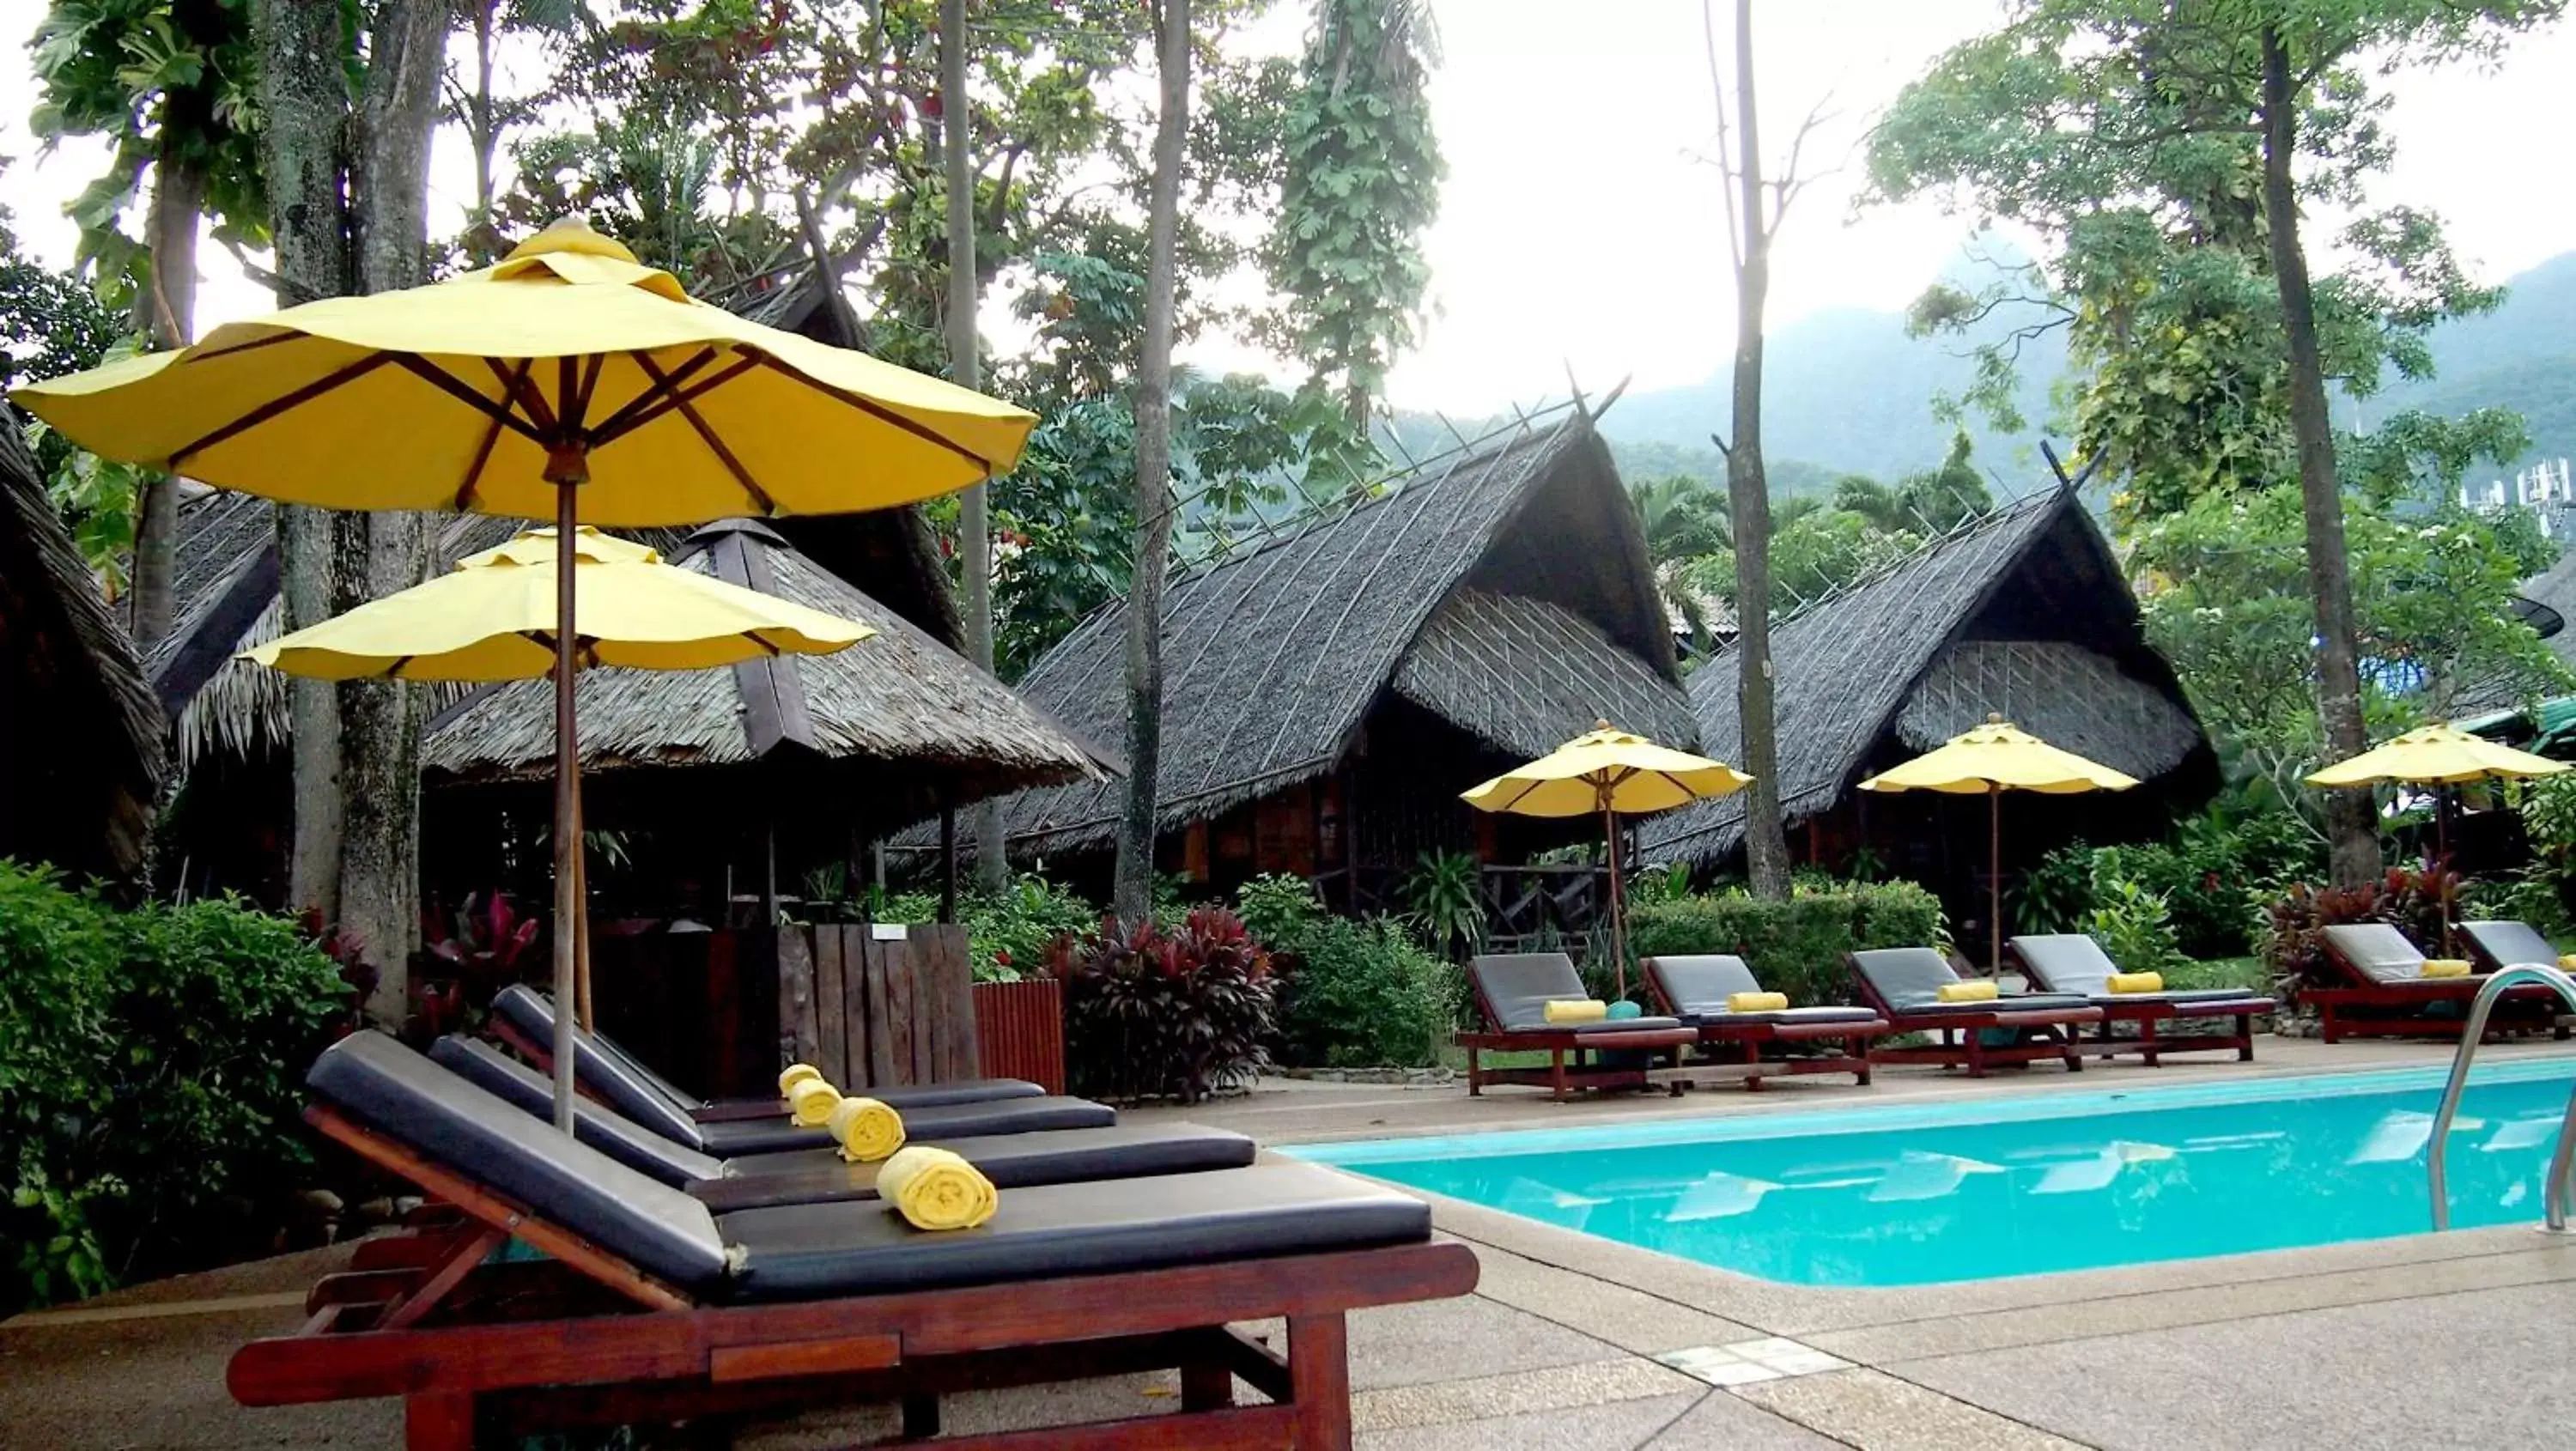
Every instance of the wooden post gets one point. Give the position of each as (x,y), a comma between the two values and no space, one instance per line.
(1994,880)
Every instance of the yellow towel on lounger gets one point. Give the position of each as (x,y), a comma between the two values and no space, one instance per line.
(811,1102)
(866,1130)
(2137,982)
(1981,990)
(2568,961)
(1757,1002)
(796,1073)
(2446,967)
(935,1189)
(1584,1010)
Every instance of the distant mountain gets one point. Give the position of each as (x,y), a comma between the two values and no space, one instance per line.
(2522,356)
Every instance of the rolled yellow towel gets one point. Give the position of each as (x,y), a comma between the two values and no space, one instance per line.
(2137,982)
(1976,990)
(2445,967)
(2568,961)
(1757,1002)
(796,1073)
(935,1189)
(866,1130)
(811,1102)
(1574,1010)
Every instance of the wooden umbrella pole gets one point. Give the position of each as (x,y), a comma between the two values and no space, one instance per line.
(567,470)
(581,918)
(1618,896)
(1994,880)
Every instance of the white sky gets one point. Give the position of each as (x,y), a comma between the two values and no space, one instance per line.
(1576,229)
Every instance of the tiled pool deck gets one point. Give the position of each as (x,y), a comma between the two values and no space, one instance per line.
(2461,1340)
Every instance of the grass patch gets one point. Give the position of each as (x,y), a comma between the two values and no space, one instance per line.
(2247,973)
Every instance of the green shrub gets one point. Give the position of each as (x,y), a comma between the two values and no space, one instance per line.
(2216,876)
(1275,909)
(2134,927)
(1362,995)
(1794,946)
(151,1065)
(1009,933)
(1153,1013)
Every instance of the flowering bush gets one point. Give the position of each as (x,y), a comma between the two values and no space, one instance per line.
(1151,1012)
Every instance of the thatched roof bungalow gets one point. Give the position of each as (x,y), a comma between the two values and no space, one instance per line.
(806,757)
(1328,694)
(81,740)
(2024,613)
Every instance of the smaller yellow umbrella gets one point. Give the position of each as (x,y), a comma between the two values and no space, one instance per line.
(1987,761)
(1608,771)
(493,618)
(2437,756)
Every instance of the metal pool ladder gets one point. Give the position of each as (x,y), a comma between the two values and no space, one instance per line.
(2562,1164)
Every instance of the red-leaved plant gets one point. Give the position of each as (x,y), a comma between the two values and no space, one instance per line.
(2413,902)
(464,970)
(1155,1013)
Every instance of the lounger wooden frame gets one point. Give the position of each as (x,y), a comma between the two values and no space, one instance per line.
(2361,990)
(1962,1035)
(1742,1043)
(1562,1077)
(586,1339)
(2150,1043)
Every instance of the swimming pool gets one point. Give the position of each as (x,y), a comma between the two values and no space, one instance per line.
(1933,1193)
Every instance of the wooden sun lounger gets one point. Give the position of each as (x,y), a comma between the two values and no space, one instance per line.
(1511,992)
(592,1337)
(1742,1037)
(2046,1029)
(2380,969)
(2071,962)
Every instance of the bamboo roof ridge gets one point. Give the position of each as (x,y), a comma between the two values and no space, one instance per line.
(80,774)
(1906,650)
(1522,547)
(899,699)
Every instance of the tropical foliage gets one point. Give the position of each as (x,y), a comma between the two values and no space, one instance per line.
(1796,945)
(1156,1012)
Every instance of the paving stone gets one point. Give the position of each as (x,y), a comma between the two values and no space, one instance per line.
(1621,1427)
(1438,1403)
(1723,1422)
(1869,1409)
(1632,1319)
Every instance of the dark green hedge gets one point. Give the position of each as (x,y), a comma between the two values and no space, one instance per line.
(1794,946)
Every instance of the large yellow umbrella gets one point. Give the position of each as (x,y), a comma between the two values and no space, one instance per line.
(1611,772)
(493,618)
(2437,756)
(568,382)
(1989,760)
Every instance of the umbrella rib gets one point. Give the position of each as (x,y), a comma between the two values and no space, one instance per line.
(883,414)
(654,403)
(759,496)
(208,354)
(279,405)
(530,398)
(453,386)
(483,453)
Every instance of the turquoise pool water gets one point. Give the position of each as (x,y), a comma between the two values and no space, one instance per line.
(1919,1195)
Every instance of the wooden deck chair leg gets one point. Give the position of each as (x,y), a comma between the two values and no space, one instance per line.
(1206,1387)
(2326,1025)
(1858,1047)
(1556,1071)
(2244,1037)
(1976,1041)
(439,1421)
(1319,1379)
(1475,1074)
(920,1417)
(2146,1036)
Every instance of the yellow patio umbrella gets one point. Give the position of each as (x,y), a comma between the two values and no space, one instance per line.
(568,382)
(493,618)
(1989,760)
(2438,756)
(1612,772)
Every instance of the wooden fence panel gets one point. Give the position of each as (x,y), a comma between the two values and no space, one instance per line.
(798,1037)
(1019,1031)
(945,986)
(830,1009)
(879,1051)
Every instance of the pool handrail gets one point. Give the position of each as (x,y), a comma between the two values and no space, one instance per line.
(2556,1195)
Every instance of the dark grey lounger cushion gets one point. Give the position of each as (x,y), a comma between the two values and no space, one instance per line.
(1520,985)
(1911,978)
(939,1121)
(2072,962)
(2381,953)
(1698,986)
(2511,944)
(1126,1151)
(392,1089)
(818,1250)
(604,1129)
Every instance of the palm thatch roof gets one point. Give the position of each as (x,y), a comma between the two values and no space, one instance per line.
(934,728)
(2024,612)
(81,738)
(225,600)
(1506,589)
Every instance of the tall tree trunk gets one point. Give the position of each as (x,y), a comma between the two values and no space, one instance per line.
(1748,497)
(1134,897)
(385,552)
(167,310)
(966,369)
(2352,826)
(482,132)
(303,147)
